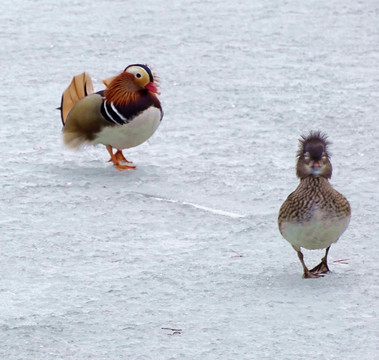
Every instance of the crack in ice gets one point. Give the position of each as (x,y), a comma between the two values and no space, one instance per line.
(196,206)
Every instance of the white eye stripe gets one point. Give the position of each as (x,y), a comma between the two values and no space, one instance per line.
(137,71)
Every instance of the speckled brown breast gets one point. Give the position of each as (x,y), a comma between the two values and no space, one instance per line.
(314,215)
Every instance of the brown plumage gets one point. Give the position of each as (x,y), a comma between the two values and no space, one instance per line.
(122,90)
(315,215)
(122,116)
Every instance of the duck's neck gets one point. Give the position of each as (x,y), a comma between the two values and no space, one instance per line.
(121,91)
(314,181)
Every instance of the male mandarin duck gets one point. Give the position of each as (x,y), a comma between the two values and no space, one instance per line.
(122,116)
(315,215)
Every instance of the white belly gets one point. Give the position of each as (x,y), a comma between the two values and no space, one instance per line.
(318,233)
(132,134)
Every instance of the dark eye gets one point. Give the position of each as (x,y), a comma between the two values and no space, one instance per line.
(138,75)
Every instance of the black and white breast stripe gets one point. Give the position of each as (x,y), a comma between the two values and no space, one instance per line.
(124,114)
(110,112)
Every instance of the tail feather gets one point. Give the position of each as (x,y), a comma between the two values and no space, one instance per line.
(80,86)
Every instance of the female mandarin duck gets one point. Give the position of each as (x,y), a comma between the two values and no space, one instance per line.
(315,215)
(122,116)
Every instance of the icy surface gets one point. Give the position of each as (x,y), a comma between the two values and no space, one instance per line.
(95,262)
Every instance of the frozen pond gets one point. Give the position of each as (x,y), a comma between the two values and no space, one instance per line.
(100,264)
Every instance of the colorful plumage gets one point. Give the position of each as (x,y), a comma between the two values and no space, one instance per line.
(315,215)
(124,115)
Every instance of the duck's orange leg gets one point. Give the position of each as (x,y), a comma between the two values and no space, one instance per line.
(116,159)
(120,157)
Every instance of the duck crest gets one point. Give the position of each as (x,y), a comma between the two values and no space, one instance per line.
(314,143)
(146,68)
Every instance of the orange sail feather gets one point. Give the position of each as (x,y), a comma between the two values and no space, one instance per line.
(80,86)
